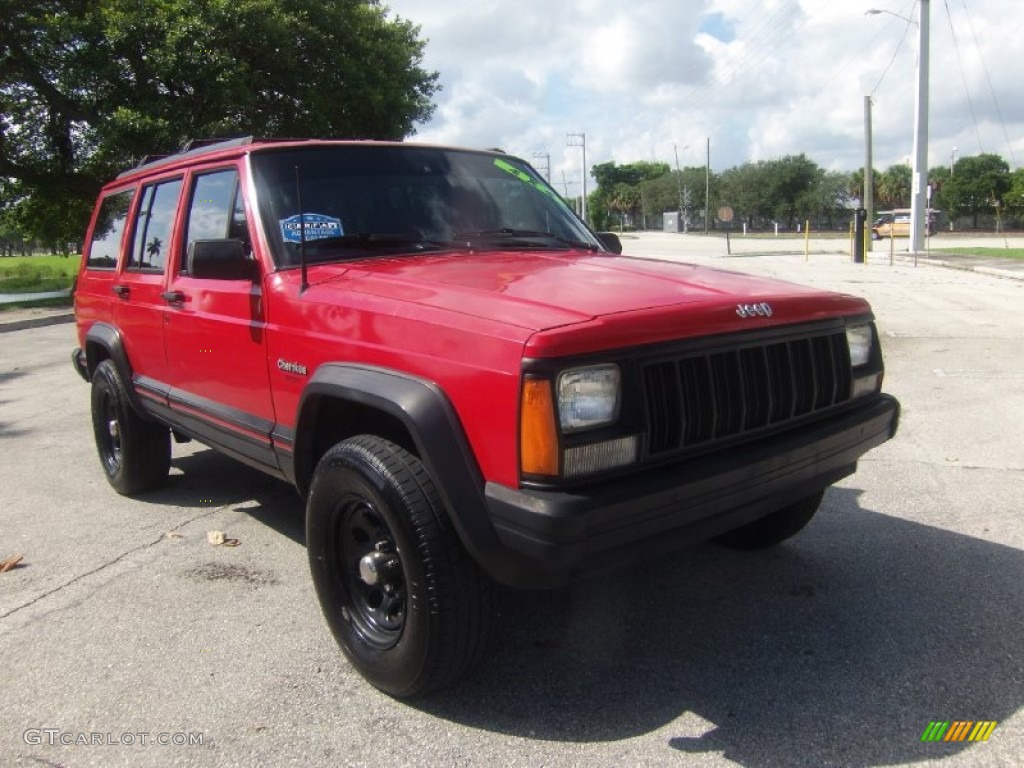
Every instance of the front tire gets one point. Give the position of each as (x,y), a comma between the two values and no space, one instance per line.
(410,609)
(774,528)
(135,453)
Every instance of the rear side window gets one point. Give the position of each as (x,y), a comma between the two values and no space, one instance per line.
(106,236)
(154,225)
(216,211)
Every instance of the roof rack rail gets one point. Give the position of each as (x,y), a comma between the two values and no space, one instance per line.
(190,149)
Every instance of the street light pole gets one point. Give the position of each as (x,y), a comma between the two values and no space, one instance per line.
(868,197)
(919,180)
(919,183)
(679,181)
(707,188)
(952,160)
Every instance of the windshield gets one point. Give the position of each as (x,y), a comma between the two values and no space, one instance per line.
(359,201)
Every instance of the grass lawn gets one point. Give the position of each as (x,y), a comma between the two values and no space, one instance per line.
(31,274)
(995,253)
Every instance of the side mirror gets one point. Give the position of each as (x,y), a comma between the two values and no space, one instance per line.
(610,241)
(220,260)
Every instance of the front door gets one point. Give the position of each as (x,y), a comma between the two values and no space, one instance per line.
(215,333)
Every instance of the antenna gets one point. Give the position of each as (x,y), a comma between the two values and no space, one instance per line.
(302,234)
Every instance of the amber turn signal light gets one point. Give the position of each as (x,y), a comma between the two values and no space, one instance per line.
(538,441)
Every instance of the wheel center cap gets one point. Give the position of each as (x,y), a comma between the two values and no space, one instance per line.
(377,567)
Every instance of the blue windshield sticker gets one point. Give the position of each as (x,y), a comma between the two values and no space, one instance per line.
(316,227)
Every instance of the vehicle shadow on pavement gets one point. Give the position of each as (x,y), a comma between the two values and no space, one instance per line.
(206,478)
(836,648)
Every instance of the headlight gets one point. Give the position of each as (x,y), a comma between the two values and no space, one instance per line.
(588,397)
(860,340)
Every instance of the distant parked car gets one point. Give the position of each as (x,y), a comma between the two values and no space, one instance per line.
(896,223)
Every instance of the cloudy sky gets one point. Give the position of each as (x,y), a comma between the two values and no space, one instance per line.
(760,78)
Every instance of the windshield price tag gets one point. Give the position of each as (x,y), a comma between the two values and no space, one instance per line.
(317,227)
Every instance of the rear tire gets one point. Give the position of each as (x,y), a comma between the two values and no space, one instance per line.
(774,528)
(135,453)
(407,604)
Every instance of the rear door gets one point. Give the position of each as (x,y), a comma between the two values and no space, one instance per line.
(139,306)
(215,332)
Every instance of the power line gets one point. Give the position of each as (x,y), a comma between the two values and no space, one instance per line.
(963,76)
(988,78)
(895,53)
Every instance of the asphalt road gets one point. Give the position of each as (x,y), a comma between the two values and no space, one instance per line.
(900,604)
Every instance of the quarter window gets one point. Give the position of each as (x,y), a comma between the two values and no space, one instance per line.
(105,246)
(154,225)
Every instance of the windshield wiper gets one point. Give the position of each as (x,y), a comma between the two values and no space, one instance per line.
(506,233)
(382,241)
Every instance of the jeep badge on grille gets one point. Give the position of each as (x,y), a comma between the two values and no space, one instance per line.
(762,309)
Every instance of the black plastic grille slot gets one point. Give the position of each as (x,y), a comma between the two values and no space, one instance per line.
(700,399)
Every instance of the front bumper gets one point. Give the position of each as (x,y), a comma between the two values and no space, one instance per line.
(556,536)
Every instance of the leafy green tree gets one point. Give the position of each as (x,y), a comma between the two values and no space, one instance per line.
(87,88)
(663,193)
(625,201)
(855,188)
(610,177)
(1014,198)
(894,187)
(746,189)
(791,180)
(828,195)
(977,186)
(772,190)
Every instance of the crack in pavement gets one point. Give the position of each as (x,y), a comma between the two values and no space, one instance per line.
(123,555)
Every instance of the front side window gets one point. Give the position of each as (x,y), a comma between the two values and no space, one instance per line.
(154,225)
(359,201)
(215,211)
(105,246)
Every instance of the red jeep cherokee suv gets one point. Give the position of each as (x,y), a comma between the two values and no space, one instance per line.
(466,384)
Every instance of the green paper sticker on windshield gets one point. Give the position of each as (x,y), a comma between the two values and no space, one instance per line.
(525,178)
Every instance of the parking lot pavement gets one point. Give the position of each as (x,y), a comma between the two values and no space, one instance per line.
(899,605)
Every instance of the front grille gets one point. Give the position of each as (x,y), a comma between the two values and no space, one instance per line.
(697,400)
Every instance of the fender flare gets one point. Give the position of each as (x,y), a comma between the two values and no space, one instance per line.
(441,443)
(109,338)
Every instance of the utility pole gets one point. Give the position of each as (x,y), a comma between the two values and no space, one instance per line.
(919,182)
(568,195)
(869,173)
(580,140)
(707,188)
(679,181)
(546,157)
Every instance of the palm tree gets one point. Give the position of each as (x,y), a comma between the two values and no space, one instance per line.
(153,249)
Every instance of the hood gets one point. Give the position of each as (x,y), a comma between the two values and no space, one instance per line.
(544,291)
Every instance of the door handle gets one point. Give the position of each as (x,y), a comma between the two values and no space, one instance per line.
(121,290)
(173,297)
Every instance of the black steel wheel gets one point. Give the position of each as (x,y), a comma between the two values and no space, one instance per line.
(774,528)
(407,604)
(135,453)
(373,574)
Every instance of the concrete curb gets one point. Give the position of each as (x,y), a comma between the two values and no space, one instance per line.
(37,321)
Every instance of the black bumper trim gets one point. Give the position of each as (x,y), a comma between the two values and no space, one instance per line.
(563,535)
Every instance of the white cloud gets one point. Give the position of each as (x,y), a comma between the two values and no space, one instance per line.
(761,78)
